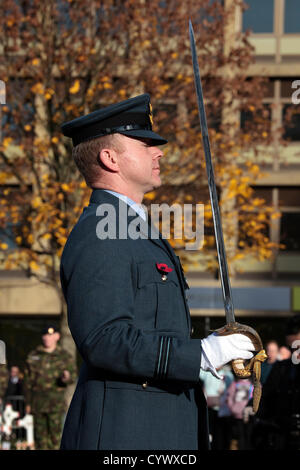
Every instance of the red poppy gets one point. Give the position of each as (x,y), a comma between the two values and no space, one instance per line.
(162,267)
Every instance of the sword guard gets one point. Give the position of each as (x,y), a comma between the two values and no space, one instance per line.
(245,369)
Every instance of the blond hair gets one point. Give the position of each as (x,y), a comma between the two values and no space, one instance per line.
(86,156)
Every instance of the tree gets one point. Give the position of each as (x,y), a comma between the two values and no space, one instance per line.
(65,58)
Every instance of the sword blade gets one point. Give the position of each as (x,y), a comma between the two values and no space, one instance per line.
(224,275)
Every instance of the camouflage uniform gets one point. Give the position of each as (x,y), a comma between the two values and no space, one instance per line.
(45,393)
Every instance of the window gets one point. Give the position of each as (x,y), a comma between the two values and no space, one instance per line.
(286,229)
(291,122)
(10,228)
(250,119)
(259,16)
(291,16)
(271,23)
(290,113)
(289,230)
(278,109)
(289,203)
(7,236)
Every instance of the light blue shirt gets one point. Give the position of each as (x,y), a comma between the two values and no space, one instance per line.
(135,206)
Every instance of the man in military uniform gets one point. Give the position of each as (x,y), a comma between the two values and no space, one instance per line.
(49,369)
(139,383)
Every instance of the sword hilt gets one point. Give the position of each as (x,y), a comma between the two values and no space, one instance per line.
(252,368)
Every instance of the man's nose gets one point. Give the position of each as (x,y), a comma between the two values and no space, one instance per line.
(157,153)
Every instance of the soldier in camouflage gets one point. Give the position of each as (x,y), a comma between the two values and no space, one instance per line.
(49,369)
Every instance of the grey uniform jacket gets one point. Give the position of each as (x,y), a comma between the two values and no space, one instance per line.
(139,383)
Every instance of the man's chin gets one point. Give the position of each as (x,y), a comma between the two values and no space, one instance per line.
(157,183)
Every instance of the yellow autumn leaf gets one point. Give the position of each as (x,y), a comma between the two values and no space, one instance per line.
(6,141)
(150,195)
(255,169)
(62,240)
(36,202)
(33,266)
(38,88)
(107,85)
(90,92)
(75,87)
(54,140)
(35,61)
(3,246)
(46,236)
(65,187)
(27,127)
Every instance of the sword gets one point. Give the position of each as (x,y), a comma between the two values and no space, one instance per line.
(240,369)
(224,275)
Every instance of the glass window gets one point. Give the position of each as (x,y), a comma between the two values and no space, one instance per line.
(259,16)
(286,87)
(289,196)
(291,16)
(289,231)
(291,122)
(252,120)
(7,236)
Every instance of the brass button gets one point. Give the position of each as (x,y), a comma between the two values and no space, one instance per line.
(164,277)
(145,385)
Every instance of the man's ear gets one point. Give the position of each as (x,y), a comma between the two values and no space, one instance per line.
(57,335)
(108,159)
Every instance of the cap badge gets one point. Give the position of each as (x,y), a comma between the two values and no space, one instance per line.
(151,115)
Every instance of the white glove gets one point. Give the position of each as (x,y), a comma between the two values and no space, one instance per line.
(219,350)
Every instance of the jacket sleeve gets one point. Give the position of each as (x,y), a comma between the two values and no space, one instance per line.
(99,282)
(28,381)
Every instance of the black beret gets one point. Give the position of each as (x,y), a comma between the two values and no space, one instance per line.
(50,329)
(132,117)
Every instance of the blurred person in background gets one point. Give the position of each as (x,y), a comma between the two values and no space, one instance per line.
(213,389)
(49,369)
(14,395)
(284,353)
(238,395)
(15,382)
(279,413)
(14,392)
(272,350)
